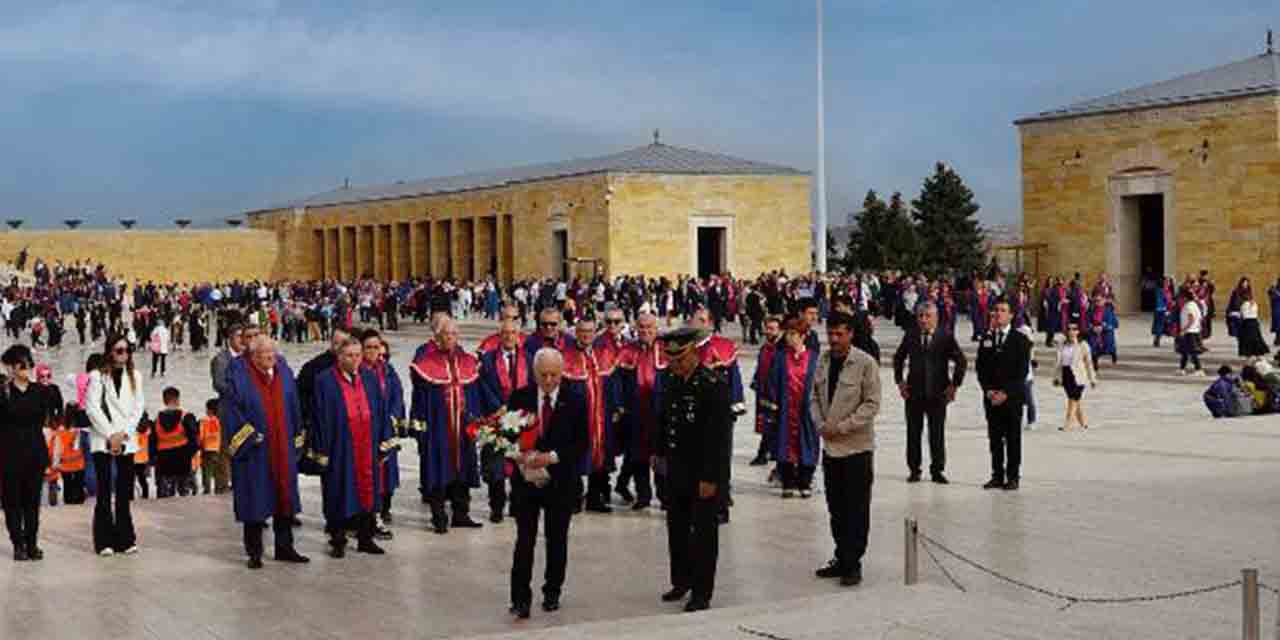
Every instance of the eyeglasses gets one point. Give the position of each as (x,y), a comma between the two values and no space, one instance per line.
(120,351)
(614,320)
(551,325)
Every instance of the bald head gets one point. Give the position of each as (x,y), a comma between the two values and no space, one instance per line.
(548,366)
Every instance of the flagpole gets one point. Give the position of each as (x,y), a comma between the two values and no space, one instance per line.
(820,253)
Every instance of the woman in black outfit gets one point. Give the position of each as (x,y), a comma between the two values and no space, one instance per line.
(23,408)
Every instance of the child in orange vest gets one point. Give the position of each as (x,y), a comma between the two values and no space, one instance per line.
(71,463)
(174,441)
(213,468)
(142,459)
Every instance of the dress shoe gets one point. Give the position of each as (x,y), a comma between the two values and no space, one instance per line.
(675,594)
(696,604)
(20,555)
(520,611)
(640,505)
(495,517)
(338,551)
(806,494)
(383,533)
(914,476)
(551,604)
(254,562)
(1011,485)
(465,522)
(625,494)
(994,483)
(386,517)
(788,493)
(832,570)
(35,553)
(599,507)
(370,547)
(440,527)
(851,578)
(938,478)
(759,461)
(291,555)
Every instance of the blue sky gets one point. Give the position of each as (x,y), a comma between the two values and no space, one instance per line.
(159,110)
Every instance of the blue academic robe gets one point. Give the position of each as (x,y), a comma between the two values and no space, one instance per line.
(779,395)
(1105,342)
(430,406)
(333,439)
(393,398)
(1274,294)
(496,386)
(253,489)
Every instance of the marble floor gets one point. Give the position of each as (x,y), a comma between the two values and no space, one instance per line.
(1154,497)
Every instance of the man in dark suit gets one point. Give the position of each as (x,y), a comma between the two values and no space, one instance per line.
(1004,357)
(930,385)
(546,479)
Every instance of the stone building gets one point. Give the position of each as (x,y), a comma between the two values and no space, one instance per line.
(1168,178)
(657,210)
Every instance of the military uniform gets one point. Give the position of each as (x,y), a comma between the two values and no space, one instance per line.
(695,423)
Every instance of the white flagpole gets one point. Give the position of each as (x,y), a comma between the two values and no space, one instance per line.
(820,253)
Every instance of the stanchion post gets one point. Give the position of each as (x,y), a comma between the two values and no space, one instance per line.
(1252,621)
(1278,616)
(911,556)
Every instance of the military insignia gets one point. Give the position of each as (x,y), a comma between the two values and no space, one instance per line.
(242,436)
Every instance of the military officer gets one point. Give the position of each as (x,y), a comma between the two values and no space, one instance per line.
(695,422)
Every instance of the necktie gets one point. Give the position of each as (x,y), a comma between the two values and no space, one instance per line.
(511,368)
(924,344)
(999,339)
(545,421)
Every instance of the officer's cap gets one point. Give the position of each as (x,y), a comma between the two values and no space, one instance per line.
(677,342)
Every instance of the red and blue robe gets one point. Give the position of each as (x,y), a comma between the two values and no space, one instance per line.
(352,426)
(494,342)
(637,375)
(591,374)
(446,400)
(793,434)
(760,384)
(496,384)
(1101,343)
(720,354)
(979,309)
(393,399)
(264,475)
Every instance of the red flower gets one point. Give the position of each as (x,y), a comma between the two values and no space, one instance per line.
(472,430)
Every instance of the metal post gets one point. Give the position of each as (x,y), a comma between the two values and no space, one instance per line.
(1278,616)
(820,245)
(1252,621)
(911,570)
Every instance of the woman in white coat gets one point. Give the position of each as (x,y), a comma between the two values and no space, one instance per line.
(1074,371)
(115,404)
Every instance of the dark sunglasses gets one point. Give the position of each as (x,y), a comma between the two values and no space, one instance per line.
(549,324)
(614,320)
(120,350)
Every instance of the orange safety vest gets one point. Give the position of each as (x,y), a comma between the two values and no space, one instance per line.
(211,433)
(143,456)
(51,474)
(171,439)
(72,454)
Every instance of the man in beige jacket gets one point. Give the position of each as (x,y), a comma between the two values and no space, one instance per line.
(844,404)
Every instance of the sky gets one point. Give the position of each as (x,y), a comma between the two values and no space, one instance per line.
(203,110)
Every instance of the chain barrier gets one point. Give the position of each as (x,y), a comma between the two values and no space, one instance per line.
(1072,600)
(955,583)
(1266,587)
(761,634)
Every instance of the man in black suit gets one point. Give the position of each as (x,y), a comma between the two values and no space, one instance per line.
(1004,357)
(930,385)
(546,479)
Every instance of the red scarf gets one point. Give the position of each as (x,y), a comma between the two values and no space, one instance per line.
(360,423)
(271,392)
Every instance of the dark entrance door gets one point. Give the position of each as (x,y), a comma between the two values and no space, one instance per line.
(1150,245)
(560,254)
(710,251)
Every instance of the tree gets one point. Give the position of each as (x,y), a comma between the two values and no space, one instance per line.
(946,223)
(833,253)
(871,237)
(902,243)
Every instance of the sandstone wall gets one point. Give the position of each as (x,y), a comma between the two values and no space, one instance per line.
(1220,162)
(160,256)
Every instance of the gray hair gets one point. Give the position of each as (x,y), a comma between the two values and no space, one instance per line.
(547,355)
(926,306)
(260,342)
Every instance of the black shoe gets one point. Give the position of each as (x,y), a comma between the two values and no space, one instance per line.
(675,594)
(465,522)
(599,507)
(914,476)
(254,562)
(697,604)
(938,478)
(551,604)
(338,551)
(625,494)
(370,547)
(994,483)
(832,570)
(440,526)
(291,555)
(640,505)
(35,554)
(520,611)
(722,518)
(1011,485)
(295,522)
(759,461)
(495,517)
(20,555)
(851,579)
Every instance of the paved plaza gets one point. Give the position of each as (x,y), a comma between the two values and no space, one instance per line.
(1155,497)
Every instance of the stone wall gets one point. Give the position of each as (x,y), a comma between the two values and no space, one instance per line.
(160,256)
(1217,163)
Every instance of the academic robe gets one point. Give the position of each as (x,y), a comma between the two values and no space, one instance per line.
(1160,317)
(637,373)
(496,385)
(255,473)
(978,310)
(535,342)
(393,399)
(590,373)
(494,341)
(349,468)
(789,401)
(720,354)
(446,399)
(760,384)
(1104,342)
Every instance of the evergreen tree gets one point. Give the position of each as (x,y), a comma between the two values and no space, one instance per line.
(945,216)
(866,248)
(901,241)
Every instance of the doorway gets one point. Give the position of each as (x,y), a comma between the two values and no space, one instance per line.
(1150,245)
(560,254)
(711,251)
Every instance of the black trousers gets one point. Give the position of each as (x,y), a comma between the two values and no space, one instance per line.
(280,524)
(140,472)
(73,487)
(361,523)
(1004,435)
(639,472)
(693,540)
(848,483)
(497,494)
(112,520)
(457,493)
(158,362)
(936,412)
(598,487)
(557,514)
(21,501)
